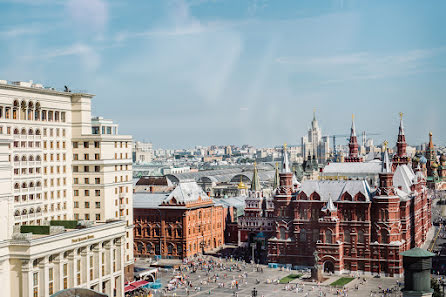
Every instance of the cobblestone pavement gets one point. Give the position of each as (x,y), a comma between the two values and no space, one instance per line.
(265,285)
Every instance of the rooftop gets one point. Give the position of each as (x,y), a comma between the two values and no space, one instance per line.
(37,87)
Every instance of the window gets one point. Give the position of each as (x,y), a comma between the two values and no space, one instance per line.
(76,192)
(97,192)
(76,204)
(87,192)
(86,169)
(87,216)
(98,217)
(86,180)
(75,145)
(87,204)
(75,157)
(95,130)
(282,233)
(96,144)
(360,236)
(79,270)
(86,144)
(96,156)
(50,281)
(347,236)
(75,169)
(303,235)
(86,157)
(328,236)
(75,181)
(65,276)
(97,180)
(36,284)
(97,169)
(384,236)
(98,204)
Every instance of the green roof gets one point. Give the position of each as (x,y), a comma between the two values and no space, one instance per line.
(417,253)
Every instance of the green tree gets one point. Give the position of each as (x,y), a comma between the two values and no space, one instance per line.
(436,287)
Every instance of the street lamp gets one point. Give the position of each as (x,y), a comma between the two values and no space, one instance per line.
(254,292)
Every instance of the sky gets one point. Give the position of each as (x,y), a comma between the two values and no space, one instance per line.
(182,73)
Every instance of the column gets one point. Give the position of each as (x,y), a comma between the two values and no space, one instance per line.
(85,266)
(43,277)
(27,279)
(58,273)
(71,270)
(96,262)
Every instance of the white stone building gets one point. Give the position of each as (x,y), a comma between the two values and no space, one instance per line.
(57,163)
(142,152)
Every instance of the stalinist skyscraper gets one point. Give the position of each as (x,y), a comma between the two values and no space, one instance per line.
(314,144)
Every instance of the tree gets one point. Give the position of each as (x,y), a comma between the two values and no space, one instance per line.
(436,287)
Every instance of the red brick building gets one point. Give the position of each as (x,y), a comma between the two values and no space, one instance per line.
(352,227)
(177,225)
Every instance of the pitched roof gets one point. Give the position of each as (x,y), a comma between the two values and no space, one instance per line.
(335,189)
(417,253)
(403,177)
(386,165)
(351,168)
(186,192)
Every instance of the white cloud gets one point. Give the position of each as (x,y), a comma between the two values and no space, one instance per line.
(364,65)
(89,57)
(19,31)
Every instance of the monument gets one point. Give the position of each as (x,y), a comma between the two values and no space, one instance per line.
(417,265)
(316,271)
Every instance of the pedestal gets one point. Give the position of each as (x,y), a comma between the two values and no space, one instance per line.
(316,274)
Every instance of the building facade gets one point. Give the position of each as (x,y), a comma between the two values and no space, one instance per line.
(180,224)
(59,163)
(142,152)
(352,227)
(314,144)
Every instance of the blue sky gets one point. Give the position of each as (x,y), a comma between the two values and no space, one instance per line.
(200,72)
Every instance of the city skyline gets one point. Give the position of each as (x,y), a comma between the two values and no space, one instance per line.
(231,72)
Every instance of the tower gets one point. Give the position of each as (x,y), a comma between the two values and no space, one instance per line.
(400,157)
(276,183)
(353,146)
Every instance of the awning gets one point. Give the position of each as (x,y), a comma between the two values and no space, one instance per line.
(135,285)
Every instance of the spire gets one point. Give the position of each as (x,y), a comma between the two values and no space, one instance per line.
(314,114)
(285,163)
(431,143)
(353,130)
(330,207)
(386,166)
(255,185)
(276,177)
(353,146)
(401,132)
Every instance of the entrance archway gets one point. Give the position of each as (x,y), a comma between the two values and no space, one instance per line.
(328,266)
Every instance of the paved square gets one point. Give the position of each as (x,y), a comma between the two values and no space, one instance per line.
(211,276)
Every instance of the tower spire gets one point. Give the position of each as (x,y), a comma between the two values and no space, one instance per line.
(386,166)
(255,185)
(285,163)
(353,155)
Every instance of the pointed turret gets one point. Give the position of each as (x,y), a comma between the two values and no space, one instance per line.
(285,162)
(255,184)
(286,176)
(276,183)
(400,157)
(353,146)
(330,207)
(386,175)
(386,165)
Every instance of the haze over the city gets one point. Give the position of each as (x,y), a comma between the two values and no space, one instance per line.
(203,72)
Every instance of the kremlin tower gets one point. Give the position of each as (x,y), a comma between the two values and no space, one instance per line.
(353,146)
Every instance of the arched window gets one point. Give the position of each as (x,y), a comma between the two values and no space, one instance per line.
(328,236)
(31,185)
(384,236)
(170,249)
(31,158)
(31,211)
(361,238)
(23,158)
(24,186)
(347,236)
(149,248)
(24,212)
(303,235)
(179,248)
(16,131)
(23,131)
(56,116)
(17,213)
(315,196)
(140,247)
(16,103)
(30,132)
(16,186)
(282,233)
(38,209)
(38,158)
(16,158)
(38,132)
